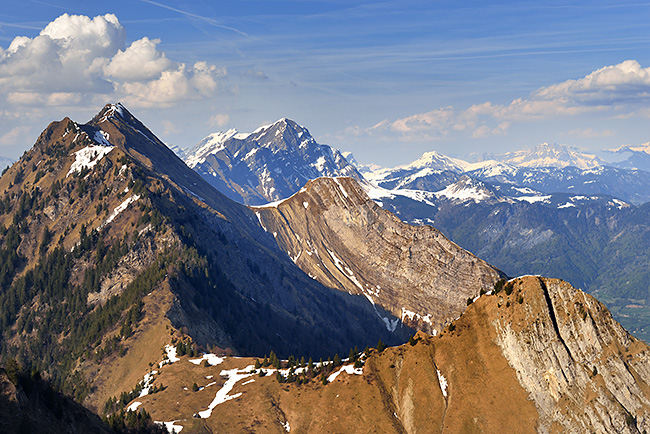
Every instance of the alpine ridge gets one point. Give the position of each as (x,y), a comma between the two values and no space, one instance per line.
(336,234)
(267,165)
(534,356)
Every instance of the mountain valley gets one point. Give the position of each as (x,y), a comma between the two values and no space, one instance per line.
(559,213)
(133,281)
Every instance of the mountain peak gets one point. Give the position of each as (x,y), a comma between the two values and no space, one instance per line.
(436,160)
(467,189)
(267,165)
(112,110)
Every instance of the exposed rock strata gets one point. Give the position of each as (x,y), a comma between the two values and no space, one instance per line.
(335,233)
(582,370)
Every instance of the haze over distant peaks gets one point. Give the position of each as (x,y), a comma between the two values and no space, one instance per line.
(639,158)
(547,155)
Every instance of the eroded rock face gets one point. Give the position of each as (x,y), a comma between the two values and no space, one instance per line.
(582,370)
(335,233)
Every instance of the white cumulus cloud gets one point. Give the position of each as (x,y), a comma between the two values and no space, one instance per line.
(140,61)
(625,83)
(77,58)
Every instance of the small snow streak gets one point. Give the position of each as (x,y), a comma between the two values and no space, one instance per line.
(443,383)
(121,207)
(345,193)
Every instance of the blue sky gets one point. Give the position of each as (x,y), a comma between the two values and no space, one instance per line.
(386,80)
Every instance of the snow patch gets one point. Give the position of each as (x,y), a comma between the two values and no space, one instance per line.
(171,355)
(212,359)
(174,429)
(102,137)
(134,406)
(88,157)
(259,217)
(320,163)
(147,381)
(345,193)
(412,315)
(532,199)
(234,376)
(349,369)
(121,207)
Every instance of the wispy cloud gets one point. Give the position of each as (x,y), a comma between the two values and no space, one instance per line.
(208,20)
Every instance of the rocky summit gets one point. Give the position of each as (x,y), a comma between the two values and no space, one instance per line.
(267,165)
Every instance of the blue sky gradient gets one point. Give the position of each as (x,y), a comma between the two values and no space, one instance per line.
(387,80)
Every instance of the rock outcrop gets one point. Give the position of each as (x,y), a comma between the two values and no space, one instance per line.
(582,370)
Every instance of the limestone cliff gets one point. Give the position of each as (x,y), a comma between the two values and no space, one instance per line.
(335,233)
(582,370)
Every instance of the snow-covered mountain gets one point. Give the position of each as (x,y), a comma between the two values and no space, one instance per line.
(628,185)
(638,159)
(269,164)
(5,162)
(547,155)
(435,172)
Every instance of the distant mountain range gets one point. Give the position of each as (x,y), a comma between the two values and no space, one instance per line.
(551,210)
(547,155)
(639,158)
(5,162)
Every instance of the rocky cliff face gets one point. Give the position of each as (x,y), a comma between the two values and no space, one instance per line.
(337,235)
(582,370)
(267,165)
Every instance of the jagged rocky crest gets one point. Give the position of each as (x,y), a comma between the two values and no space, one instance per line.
(267,165)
